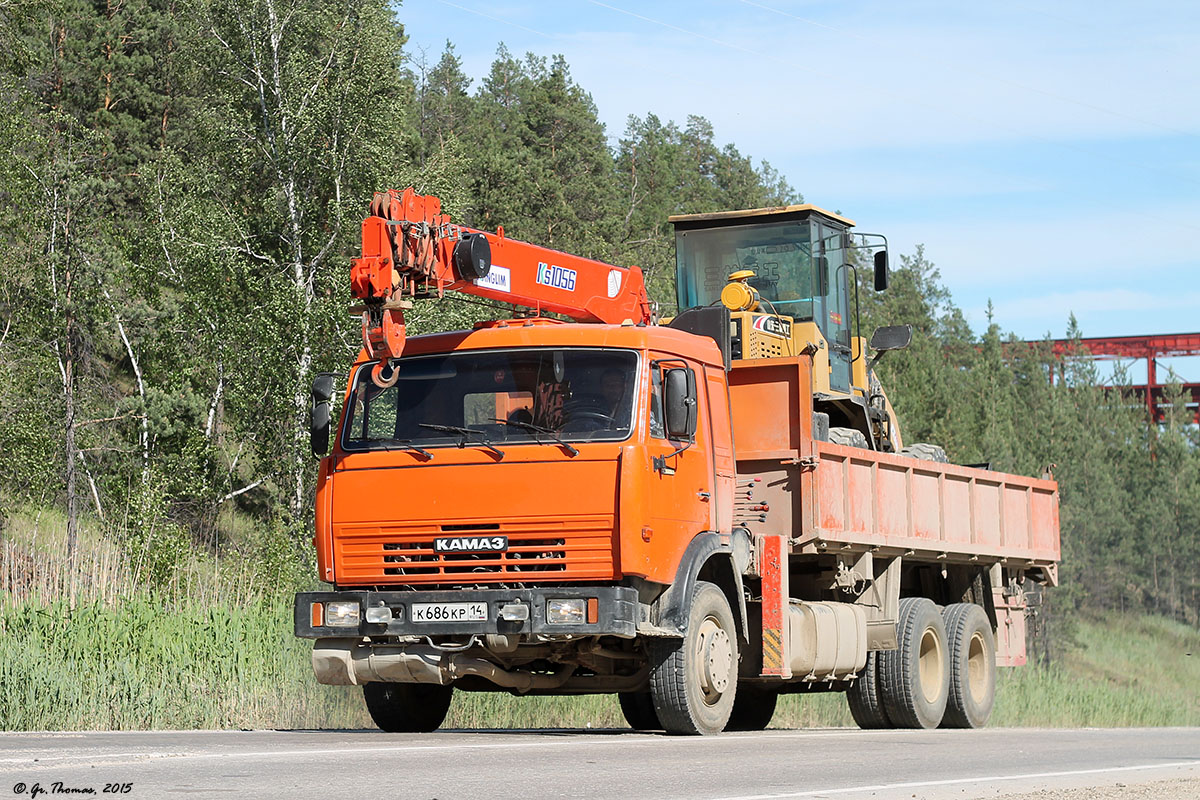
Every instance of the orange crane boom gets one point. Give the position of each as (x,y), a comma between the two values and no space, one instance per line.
(410,249)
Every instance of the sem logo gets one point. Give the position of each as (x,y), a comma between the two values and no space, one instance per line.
(556,277)
(776,326)
(471,544)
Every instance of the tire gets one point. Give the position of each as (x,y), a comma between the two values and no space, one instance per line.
(915,678)
(865,699)
(850,437)
(972,666)
(693,680)
(753,708)
(926,452)
(407,707)
(638,708)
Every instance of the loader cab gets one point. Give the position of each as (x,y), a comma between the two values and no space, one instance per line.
(798,256)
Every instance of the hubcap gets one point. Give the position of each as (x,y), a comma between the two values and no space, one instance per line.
(930,665)
(715,660)
(977,668)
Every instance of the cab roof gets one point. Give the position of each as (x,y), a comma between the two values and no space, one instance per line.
(770,211)
(544,332)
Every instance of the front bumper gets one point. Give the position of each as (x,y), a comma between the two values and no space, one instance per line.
(616,607)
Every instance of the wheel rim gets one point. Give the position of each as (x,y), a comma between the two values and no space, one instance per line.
(930,665)
(714,659)
(977,668)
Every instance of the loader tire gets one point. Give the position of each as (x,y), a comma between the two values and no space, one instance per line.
(693,680)
(753,708)
(915,677)
(865,699)
(638,708)
(927,452)
(407,707)
(972,666)
(850,437)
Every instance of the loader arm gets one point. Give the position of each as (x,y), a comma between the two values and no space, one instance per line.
(411,250)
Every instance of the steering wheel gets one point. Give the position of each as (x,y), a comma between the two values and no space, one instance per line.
(592,416)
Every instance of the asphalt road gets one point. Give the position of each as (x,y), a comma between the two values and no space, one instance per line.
(479,765)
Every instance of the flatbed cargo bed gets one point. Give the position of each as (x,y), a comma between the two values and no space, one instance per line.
(826,497)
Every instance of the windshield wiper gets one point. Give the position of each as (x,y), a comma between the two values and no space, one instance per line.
(405,444)
(467,434)
(536,429)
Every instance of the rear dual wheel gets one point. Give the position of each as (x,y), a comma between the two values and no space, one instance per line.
(972,666)
(865,697)
(914,679)
(943,673)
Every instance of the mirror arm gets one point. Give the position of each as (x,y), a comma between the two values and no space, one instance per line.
(660,462)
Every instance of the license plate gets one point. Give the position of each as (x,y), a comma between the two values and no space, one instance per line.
(449,612)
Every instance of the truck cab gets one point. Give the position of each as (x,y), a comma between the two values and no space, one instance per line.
(528,491)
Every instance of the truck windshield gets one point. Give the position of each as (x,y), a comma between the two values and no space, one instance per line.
(513,396)
(779,254)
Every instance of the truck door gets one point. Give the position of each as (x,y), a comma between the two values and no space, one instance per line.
(680,482)
(834,315)
(721,445)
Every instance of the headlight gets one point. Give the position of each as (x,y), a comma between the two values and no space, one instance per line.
(341,614)
(566,612)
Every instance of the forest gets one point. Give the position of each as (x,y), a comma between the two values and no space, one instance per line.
(183,186)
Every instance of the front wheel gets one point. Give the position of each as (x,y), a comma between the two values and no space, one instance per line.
(752,708)
(693,680)
(638,708)
(407,707)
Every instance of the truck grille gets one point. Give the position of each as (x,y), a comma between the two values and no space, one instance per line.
(538,550)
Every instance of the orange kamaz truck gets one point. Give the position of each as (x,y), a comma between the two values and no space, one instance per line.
(695,514)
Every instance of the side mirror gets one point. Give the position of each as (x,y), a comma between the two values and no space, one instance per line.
(891,337)
(822,276)
(322,388)
(322,395)
(881,270)
(679,399)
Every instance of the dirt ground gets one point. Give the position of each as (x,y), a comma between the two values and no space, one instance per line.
(1177,789)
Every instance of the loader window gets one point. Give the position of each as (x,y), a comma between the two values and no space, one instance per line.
(511,396)
(779,253)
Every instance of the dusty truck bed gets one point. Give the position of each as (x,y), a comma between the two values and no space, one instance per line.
(826,497)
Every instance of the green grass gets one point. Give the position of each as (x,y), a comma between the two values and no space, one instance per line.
(141,663)
(1122,670)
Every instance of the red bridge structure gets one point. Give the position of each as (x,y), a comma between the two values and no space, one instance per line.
(1150,347)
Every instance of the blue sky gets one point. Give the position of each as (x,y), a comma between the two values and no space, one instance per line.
(1046,154)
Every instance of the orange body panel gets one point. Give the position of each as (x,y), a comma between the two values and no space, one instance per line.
(597,516)
(885,500)
(823,495)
